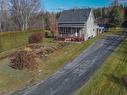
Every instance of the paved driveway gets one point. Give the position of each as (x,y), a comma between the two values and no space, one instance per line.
(73,75)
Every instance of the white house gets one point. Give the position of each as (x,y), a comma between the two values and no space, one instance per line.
(77,24)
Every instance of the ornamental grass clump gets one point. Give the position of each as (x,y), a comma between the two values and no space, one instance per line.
(24,59)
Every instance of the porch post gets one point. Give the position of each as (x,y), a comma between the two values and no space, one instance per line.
(71,31)
(65,31)
(76,32)
(61,29)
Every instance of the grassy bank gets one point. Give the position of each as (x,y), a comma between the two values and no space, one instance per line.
(107,80)
(10,40)
(11,79)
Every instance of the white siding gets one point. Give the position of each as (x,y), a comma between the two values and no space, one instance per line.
(83,31)
(90,27)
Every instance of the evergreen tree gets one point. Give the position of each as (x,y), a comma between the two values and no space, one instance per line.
(97,12)
(125,17)
(116,18)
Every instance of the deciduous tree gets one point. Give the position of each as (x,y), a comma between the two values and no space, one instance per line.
(3,15)
(22,10)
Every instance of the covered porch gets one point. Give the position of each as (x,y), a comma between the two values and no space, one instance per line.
(70,34)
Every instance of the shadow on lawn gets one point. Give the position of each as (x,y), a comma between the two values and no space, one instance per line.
(118,81)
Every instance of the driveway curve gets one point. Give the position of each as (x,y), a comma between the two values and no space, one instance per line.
(76,73)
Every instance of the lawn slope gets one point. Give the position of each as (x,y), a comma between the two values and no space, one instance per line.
(107,80)
(11,80)
(10,40)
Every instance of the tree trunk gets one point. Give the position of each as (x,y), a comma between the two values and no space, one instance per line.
(26,23)
(0,28)
(23,27)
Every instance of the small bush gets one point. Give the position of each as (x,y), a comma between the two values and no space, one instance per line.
(62,45)
(34,46)
(36,38)
(124,79)
(23,60)
(48,34)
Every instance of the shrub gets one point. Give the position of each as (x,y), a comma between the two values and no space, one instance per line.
(48,34)
(124,79)
(62,45)
(34,46)
(23,60)
(36,38)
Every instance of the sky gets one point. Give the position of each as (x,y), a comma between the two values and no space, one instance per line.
(57,5)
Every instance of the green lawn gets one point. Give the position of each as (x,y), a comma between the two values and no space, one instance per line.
(107,80)
(10,40)
(11,79)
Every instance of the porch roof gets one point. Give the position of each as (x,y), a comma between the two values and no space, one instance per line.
(71,25)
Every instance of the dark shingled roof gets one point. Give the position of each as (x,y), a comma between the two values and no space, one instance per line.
(74,16)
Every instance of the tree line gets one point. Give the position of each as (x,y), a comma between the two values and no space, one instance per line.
(25,15)
(28,14)
(115,15)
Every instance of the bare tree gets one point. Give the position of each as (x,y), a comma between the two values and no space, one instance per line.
(22,10)
(47,21)
(53,25)
(50,22)
(37,21)
(3,14)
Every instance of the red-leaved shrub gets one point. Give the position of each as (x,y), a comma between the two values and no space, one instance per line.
(36,38)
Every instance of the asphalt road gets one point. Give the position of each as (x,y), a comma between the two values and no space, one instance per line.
(76,73)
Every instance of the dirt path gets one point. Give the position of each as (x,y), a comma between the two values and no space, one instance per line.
(75,74)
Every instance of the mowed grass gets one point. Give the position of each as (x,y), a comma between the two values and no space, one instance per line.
(10,40)
(107,80)
(11,80)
